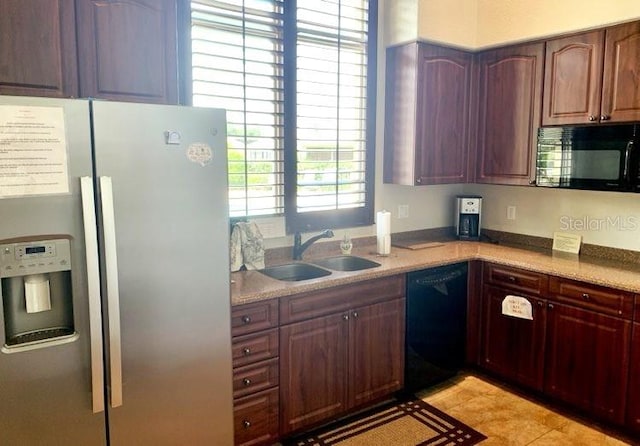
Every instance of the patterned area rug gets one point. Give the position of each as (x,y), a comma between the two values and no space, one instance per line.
(400,423)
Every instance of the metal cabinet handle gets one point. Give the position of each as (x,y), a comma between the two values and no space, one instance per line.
(592,118)
(540,303)
(246,351)
(93,285)
(585,296)
(113,292)
(550,306)
(246,319)
(246,424)
(355,314)
(246,382)
(605,117)
(345,317)
(512,279)
(532,182)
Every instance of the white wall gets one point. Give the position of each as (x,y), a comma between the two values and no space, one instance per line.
(602,218)
(478,24)
(501,21)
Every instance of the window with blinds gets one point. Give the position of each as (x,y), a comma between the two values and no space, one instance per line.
(237,62)
(334,114)
(297,78)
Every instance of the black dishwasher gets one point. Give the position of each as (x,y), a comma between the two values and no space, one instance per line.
(436,325)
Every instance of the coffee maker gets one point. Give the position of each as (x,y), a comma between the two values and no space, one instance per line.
(467,218)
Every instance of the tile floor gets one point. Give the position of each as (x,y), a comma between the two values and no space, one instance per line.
(508,419)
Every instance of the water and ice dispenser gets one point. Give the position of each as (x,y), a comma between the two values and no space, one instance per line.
(37,297)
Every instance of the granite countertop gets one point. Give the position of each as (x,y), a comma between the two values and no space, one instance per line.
(252,286)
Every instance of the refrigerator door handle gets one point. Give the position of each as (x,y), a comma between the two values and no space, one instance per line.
(113,294)
(93,283)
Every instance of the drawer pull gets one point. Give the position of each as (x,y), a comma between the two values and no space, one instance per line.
(246,351)
(345,317)
(540,303)
(512,279)
(246,424)
(246,319)
(355,314)
(246,382)
(585,296)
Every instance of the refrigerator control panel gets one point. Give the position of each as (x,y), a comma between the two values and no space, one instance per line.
(34,257)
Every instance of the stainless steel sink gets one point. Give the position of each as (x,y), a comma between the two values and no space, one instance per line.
(295,271)
(346,263)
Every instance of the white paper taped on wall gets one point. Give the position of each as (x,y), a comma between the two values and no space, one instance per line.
(517,306)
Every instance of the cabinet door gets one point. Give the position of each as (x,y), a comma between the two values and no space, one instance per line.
(512,347)
(633,402)
(313,370)
(442,130)
(510,83)
(621,83)
(127,50)
(376,339)
(38,48)
(587,360)
(573,79)
(427,114)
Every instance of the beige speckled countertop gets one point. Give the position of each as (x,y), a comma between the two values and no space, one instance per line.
(252,286)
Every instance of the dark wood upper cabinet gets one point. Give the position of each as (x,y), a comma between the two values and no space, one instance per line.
(508,113)
(593,77)
(38,48)
(427,114)
(127,50)
(621,77)
(573,79)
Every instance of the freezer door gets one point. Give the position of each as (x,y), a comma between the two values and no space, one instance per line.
(46,393)
(164,169)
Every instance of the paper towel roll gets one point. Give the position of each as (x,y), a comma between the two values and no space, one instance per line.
(37,295)
(383,232)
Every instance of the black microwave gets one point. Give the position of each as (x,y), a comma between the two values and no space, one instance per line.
(593,158)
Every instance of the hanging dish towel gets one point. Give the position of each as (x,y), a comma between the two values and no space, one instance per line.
(247,246)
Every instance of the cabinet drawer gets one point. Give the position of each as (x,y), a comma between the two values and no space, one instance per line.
(254,317)
(593,297)
(341,298)
(255,347)
(516,279)
(255,418)
(255,377)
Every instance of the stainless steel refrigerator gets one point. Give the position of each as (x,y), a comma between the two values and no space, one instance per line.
(115,321)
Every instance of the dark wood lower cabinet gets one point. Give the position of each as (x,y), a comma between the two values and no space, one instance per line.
(633,400)
(376,366)
(331,364)
(511,347)
(255,419)
(313,370)
(587,360)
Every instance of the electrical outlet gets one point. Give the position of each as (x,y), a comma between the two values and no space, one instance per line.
(511,212)
(403,211)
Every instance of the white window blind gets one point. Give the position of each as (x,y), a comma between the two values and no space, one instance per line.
(237,64)
(331,103)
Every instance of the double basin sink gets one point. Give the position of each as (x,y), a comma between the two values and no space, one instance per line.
(320,268)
